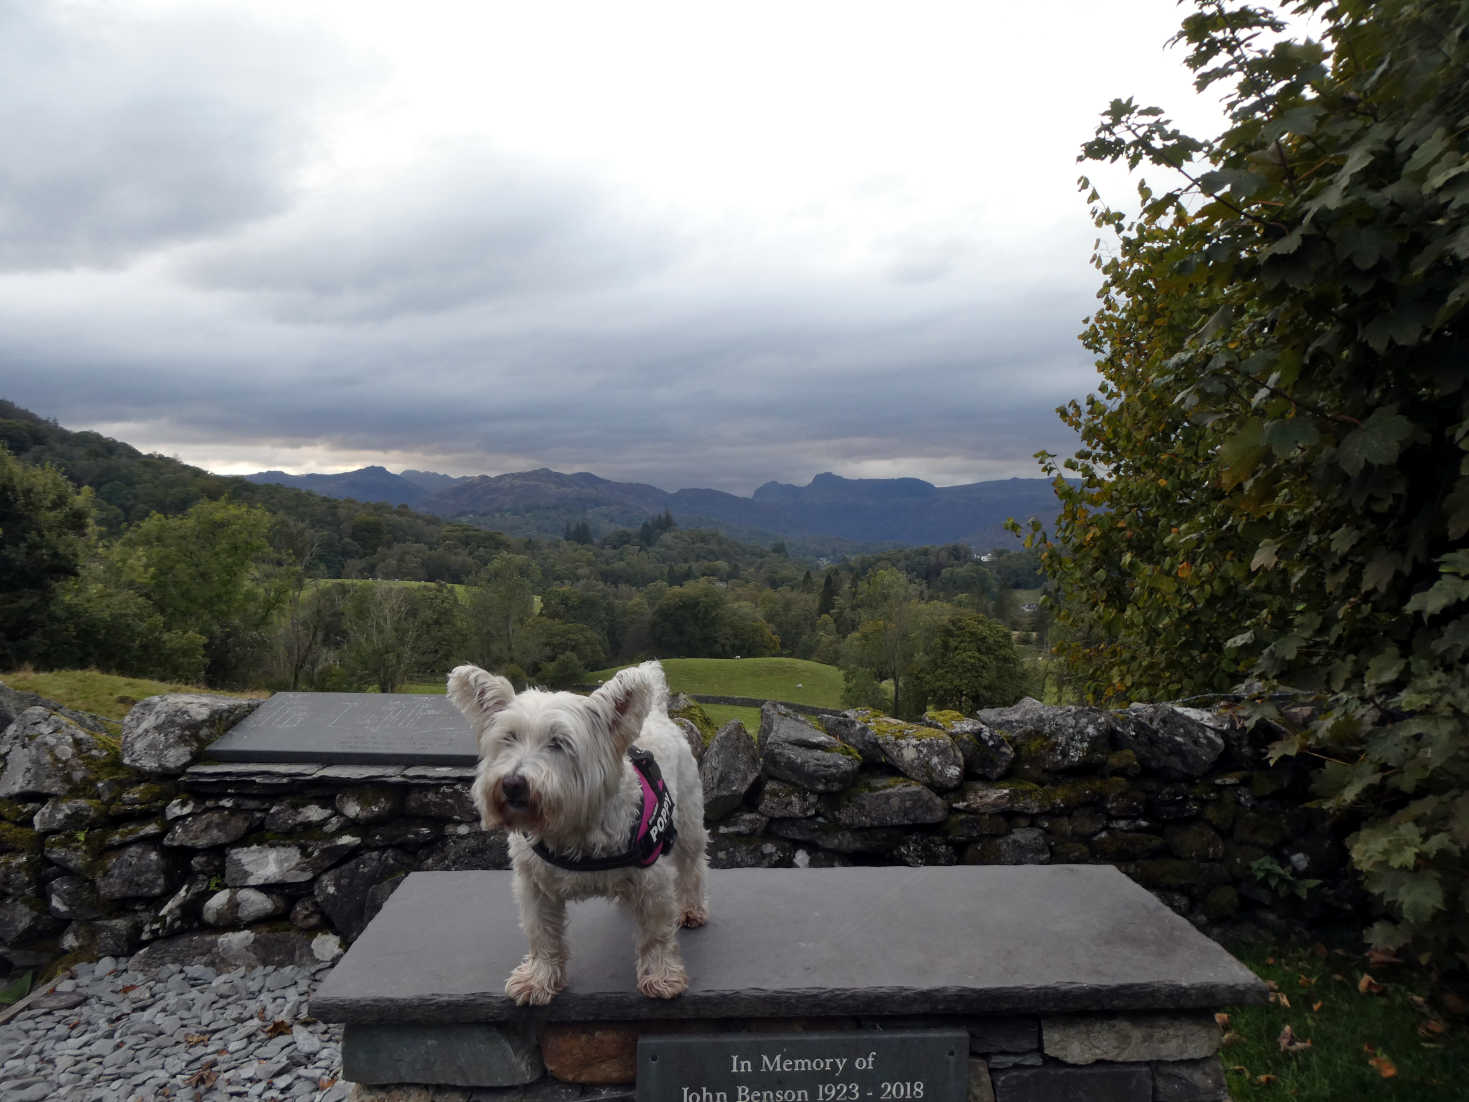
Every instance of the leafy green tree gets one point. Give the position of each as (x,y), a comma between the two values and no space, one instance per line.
(970,662)
(1275,470)
(499,605)
(43,534)
(383,633)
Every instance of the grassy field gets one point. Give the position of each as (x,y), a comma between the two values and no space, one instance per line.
(792,679)
(1375,1031)
(102,694)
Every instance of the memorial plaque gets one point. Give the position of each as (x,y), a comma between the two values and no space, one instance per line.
(859,1066)
(350,728)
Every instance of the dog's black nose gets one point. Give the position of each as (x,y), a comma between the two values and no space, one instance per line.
(516,790)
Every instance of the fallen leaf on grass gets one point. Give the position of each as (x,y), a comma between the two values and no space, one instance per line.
(1288,1043)
(1266,1079)
(1317,1005)
(1221,1020)
(1434,1027)
(1368,986)
(1279,999)
(1305,980)
(1230,1038)
(1385,1067)
(1379,957)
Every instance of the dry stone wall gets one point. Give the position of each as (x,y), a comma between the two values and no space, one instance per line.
(115,836)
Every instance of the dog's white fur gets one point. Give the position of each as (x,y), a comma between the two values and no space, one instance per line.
(583,793)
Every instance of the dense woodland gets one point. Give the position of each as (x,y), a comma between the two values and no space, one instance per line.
(142,565)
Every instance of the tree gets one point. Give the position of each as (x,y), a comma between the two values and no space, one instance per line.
(502,601)
(885,641)
(970,663)
(43,531)
(382,635)
(1275,470)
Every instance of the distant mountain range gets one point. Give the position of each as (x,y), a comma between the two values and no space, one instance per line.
(830,511)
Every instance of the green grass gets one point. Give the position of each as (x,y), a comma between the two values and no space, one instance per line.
(103,694)
(792,679)
(1316,994)
(723,713)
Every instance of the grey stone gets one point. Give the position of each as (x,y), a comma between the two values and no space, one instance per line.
(1190,1081)
(919,850)
(473,849)
(164,734)
(886,801)
(68,813)
(1026,714)
(107,935)
(351,728)
(744,851)
(261,865)
(72,897)
(20,873)
(779,800)
(350,895)
(209,828)
(827,835)
(240,907)
(465,1054)
(181,909)
(297,812)
(793,750)
(926,755)
(46,754)
(233,949)
(1085,1039)
(24,920)
(986,752)
(1104,945)
(1022,846)
(743,822)
(1125,1083)
(991,1035)
(370,805)
(854,729)
(450,801)
(988,798)
(134,872)
(691,736)
(1168,740)
(728,769)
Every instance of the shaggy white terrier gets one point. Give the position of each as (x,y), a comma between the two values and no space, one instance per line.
(588,787)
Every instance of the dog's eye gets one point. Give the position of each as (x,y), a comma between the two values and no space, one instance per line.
(511,736)
(556,746)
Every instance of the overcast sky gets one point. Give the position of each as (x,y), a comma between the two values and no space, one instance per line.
(690,244)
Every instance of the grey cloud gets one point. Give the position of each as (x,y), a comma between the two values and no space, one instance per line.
(125,133)
(461,226)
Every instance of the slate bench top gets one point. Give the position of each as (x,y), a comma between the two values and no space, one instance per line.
(963,940)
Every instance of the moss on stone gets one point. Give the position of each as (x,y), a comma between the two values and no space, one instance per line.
(14,811)
(945,718)
(1123,763)
(18,839)
(696,715)
(888,727)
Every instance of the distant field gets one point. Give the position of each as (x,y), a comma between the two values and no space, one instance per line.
(102,694)
(793,679)
(721,714)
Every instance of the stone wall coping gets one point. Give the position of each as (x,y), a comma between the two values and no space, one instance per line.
(969,940)
(282,773)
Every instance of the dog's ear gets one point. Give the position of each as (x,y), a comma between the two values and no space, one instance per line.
(478,695)
(627,699)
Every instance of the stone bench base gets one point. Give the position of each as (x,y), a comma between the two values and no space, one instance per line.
(1070,982)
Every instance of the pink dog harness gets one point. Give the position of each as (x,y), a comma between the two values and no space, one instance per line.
(652,835)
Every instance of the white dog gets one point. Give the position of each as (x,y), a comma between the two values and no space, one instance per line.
(602,797)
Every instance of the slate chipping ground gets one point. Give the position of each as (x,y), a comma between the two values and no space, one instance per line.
(185,1032)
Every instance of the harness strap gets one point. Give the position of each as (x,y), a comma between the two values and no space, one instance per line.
(652,835)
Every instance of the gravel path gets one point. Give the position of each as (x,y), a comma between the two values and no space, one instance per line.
(107,1034)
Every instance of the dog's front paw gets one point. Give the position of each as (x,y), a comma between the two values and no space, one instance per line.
(534,983)
(694,916)
(664,985)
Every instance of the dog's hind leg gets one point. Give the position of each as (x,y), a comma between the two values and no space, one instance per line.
(690,863)
(661,972)
(542,973)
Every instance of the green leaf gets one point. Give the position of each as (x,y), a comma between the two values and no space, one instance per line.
(1241,453)
(1378,572)
(1286,436)
(1243,639)
(1385,667)
(1377,440)
(1420,896)
(1265,556)
(1439,596)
